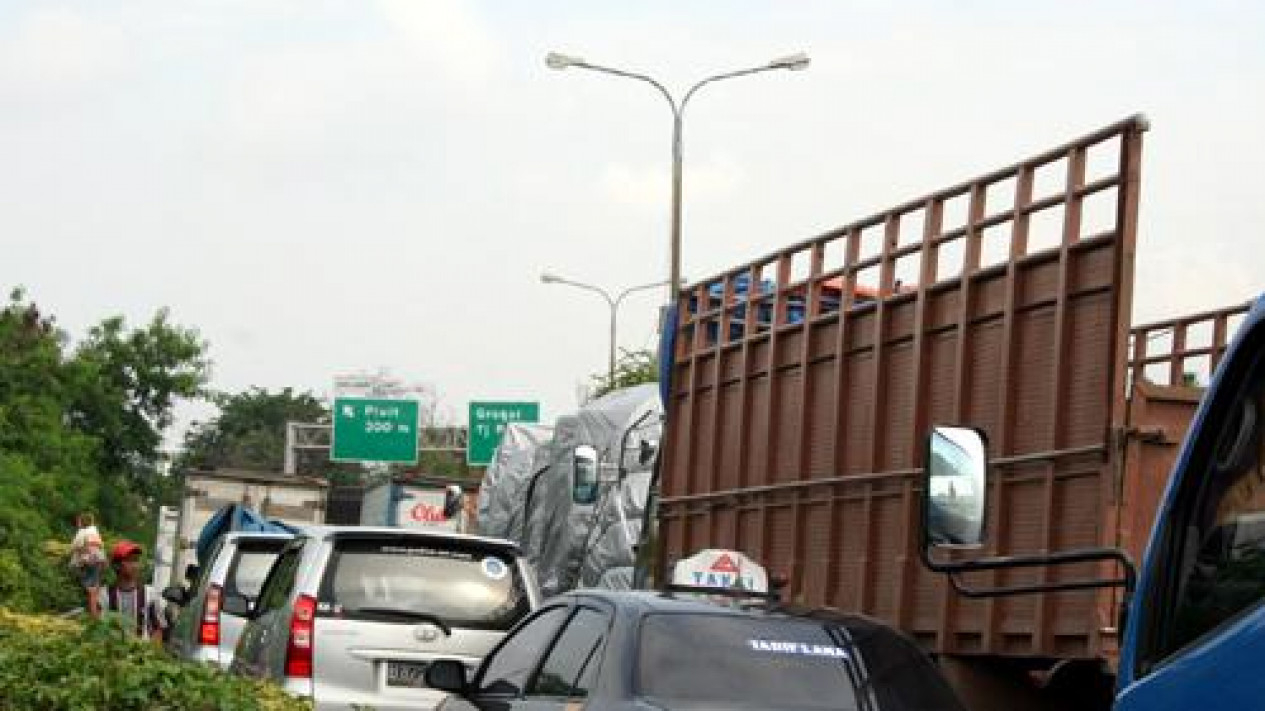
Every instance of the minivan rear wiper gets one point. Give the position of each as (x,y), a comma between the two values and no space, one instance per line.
(397,612)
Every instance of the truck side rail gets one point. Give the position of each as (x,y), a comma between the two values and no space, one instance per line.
(1181,350)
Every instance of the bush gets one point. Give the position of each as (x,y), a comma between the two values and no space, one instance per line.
(53,664)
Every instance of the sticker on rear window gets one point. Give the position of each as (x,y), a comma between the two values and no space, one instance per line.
(495,568)
(426,552)
(798,648)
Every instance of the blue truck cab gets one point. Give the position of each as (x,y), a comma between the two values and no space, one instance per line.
(1193,618)
(1195,636)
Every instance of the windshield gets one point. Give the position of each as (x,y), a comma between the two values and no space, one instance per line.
(745,663)
(400,580)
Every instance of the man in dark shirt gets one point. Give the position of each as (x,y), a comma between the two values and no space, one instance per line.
(128,597)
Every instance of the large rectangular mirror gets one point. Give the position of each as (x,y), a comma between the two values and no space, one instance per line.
(585,472)
(956,487)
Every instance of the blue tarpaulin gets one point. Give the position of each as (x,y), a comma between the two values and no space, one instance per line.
(236,518)
(667,352)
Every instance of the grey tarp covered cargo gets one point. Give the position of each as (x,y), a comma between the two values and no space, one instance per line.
(505,483)
(608,555)
(529,492)
(547,533)
(563,532)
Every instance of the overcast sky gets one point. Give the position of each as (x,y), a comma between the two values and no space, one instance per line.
(325,187)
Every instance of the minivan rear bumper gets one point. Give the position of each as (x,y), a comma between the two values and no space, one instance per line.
(209,655)
(414,700)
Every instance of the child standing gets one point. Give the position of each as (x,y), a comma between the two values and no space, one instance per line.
(87,559)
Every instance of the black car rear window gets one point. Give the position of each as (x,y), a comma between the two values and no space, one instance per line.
(397,580)
(731,661)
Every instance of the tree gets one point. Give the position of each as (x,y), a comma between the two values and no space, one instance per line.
(126,385)
(79,429)
(631,368)
(249,432)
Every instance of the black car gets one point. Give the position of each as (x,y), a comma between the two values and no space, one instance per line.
(646,650)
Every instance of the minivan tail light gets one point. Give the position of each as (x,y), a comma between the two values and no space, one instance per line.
(210,628)
(299,649)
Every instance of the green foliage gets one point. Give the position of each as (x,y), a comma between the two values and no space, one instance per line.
(125,384)
(249,432)
(631,368)
(447,464)
(79,431)
(55,665)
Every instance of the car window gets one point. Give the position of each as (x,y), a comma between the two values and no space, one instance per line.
(396,579)
(506,671)
(250,567)
(571,667)
(753,663)
(1222,557)
(203,577)
(280,581)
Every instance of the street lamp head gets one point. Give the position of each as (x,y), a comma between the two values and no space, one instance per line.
(794,62)
(555,60)
(548,278)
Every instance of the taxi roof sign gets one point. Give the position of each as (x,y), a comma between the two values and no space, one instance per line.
(724,563)
(716,568)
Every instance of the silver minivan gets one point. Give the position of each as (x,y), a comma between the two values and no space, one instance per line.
(215,606)
(351,616)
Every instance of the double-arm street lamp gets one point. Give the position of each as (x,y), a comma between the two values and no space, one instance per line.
(612,301)
(794,62)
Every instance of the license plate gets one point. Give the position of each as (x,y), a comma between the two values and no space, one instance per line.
(410,675)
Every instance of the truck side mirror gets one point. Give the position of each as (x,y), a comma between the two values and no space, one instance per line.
(585,471)
(955,489)
(454,500)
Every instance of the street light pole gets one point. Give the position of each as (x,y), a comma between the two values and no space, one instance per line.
(795,62)
(612,302)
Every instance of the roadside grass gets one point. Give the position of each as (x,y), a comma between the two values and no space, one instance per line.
(55,664)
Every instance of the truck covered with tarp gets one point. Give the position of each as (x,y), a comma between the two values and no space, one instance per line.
(500,511)
(575,501)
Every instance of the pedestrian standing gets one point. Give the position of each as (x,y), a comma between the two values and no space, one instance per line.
(87,559)
(128,597)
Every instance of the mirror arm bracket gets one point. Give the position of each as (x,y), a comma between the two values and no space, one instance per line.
(1128,580)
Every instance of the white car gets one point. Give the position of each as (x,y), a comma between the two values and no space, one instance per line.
(352,616)
(214,609)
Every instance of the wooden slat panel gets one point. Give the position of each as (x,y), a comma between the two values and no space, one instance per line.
(822,386)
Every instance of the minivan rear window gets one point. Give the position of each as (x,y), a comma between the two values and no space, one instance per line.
(396,580)
(247,573)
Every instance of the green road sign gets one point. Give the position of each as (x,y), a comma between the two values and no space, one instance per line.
(487,424)
(367,430)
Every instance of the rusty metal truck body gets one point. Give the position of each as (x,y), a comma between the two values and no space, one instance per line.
(797,410)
